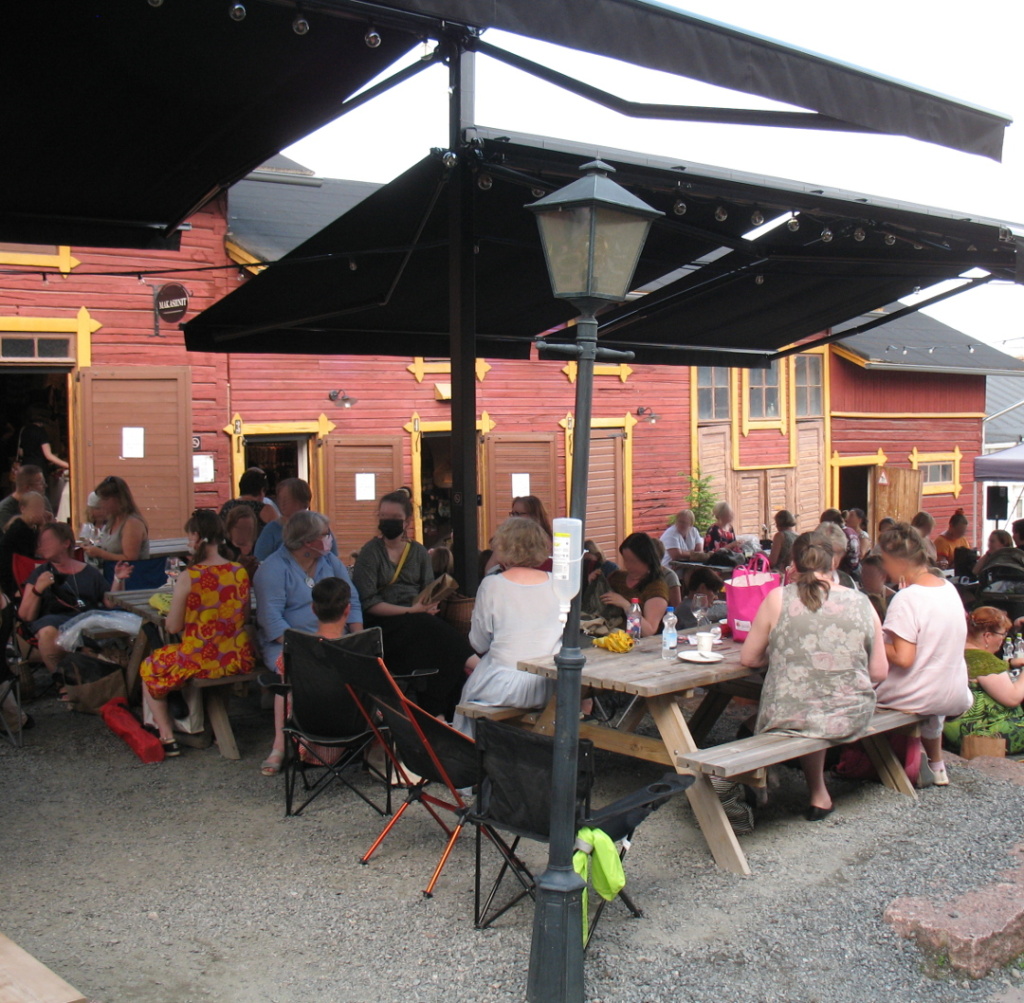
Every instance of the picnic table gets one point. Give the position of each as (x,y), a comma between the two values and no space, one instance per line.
(216,692)
(657,686)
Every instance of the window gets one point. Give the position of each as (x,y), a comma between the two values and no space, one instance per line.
(937,473)
(808,386)
(763,393)
(712,393)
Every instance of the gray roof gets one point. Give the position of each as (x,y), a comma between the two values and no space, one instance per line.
(920,343)
(282,204)
(1003,392)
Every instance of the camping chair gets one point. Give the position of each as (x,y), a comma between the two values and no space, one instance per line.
(326,731)
(10,685)
(22,567)
(440,755)
(515,797)
(1012,601)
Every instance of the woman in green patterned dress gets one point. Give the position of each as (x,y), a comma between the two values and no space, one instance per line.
(998,692)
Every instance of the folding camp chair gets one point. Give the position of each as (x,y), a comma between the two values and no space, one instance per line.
(515,797)
(326,732)
(10,688)
(440,755)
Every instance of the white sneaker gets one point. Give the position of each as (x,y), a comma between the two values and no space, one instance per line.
(933,773)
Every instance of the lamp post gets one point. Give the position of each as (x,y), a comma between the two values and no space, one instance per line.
(592,232)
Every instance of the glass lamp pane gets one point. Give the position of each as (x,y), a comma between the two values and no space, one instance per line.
(565,236)
(619,239)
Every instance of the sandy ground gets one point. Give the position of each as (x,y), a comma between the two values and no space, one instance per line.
(184,881)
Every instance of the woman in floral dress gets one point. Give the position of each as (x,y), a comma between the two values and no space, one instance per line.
(209,609)
(824,648)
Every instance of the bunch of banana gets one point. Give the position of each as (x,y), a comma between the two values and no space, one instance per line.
(617,640)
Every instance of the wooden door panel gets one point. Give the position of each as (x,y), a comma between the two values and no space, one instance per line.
(809,500)
(510,454)
(713,458)
(156,399)
(896,493)
(606,518)
(781,494)
(749,501)
(354,522)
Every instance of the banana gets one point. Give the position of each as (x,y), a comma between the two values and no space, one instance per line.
(617,640)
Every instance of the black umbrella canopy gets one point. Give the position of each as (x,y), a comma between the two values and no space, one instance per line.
(122,117)
(374,282)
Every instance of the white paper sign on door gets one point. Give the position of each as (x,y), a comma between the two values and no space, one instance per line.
(133,443)
(366,487)
(520,485)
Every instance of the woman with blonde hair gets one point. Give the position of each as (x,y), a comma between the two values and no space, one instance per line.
(997,691)
(125,535)
(925,637)
(515,618)
(823,646)
(721,535)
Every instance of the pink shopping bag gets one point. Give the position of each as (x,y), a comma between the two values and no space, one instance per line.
(745,592)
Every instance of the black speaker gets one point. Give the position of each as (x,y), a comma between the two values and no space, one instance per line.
(996,502)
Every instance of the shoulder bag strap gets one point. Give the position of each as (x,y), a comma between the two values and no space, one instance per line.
(401,563)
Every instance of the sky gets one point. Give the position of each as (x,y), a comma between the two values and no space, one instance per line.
(964,51)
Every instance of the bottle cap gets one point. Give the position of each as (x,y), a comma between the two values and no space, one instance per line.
(671,609)
(634,599)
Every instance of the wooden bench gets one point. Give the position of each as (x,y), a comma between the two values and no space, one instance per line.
(217,724)
(25,980)
(746,759)
(479,710)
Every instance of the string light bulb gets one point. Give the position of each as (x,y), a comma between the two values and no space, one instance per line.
(300,25)
(236,12)
(721,214)
(756,217)
(859,234)
(372,39)
(889,239)
(826,236)
(793,224)
(679,207)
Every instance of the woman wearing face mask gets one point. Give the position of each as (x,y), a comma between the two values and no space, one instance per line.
(284,594)
(389,574)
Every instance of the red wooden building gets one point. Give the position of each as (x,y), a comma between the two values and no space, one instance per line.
(835,425)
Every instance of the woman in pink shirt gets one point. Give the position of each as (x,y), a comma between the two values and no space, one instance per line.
(925,631)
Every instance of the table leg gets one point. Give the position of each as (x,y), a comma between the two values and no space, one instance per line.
(707,713)
(545,724)
(140,648)
(710,814)
(216,707)
(632,715)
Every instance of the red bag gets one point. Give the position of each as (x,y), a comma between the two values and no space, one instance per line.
(745,592)
(123,723)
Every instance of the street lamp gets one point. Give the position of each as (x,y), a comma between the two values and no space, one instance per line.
(592,232)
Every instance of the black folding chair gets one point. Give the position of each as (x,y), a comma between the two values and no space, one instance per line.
(515,797)
(439,755)
(326,732)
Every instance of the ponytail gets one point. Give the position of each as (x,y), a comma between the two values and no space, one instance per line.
(812,555)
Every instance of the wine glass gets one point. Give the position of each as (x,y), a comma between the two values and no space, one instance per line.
(700,604)
(172,567)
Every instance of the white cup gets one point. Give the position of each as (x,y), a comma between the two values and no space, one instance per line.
(705,641)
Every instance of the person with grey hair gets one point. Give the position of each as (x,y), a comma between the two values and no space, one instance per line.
(284,593)
(836,538)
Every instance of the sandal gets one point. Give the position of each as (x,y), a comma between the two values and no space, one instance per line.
(272,764)
(171,748)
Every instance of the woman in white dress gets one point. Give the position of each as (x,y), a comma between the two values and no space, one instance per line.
(515,618)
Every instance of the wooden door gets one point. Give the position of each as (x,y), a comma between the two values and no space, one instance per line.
(357,471)
(810,474)
(895,492)
(606,514)
(748,501)
(713,458)
(135,422)
(517,464)
(781,494)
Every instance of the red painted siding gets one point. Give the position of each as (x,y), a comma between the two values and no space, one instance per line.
(871,391)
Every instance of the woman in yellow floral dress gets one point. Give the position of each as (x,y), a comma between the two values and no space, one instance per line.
(209,608)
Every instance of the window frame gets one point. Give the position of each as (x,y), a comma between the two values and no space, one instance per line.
(802,390)
(781,420)
(919,460)
(713,387)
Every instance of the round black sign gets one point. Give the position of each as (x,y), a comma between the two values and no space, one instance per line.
(172,302)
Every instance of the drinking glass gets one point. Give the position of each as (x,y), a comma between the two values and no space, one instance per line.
(699,606)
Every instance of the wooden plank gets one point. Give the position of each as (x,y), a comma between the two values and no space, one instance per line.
(23,979)
(625,744)
(477,710)
(890,769)
(215,706)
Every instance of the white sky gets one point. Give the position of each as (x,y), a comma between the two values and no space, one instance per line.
(965,51)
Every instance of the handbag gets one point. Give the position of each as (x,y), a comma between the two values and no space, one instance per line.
(91,682)
(745,592)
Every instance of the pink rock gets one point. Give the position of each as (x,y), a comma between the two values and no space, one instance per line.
(998,768)
(977,931)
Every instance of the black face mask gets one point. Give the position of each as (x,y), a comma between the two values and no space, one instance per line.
(391,529)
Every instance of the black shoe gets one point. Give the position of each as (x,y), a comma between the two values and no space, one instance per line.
(171,748)
(816,814)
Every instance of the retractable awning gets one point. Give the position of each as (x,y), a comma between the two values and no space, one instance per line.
(122,117)
(722,290)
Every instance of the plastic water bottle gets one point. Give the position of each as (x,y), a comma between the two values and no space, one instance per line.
(633,620)
(669,635)
(1018,647)
(1007,650)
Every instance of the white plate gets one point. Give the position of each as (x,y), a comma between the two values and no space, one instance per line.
(703,657)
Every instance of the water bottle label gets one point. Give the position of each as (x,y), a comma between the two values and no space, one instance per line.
(562,557)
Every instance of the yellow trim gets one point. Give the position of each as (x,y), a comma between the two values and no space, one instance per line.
(908,414)
(836,462)
(62,260)
(826,403)
(238,429)
(416,426)
(420,368)
(955,487)
(747,424)
(241,256)
(82,326)
(845,353)
(621,371)
(626,423)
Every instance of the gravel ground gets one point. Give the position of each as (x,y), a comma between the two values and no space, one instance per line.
(183,881)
